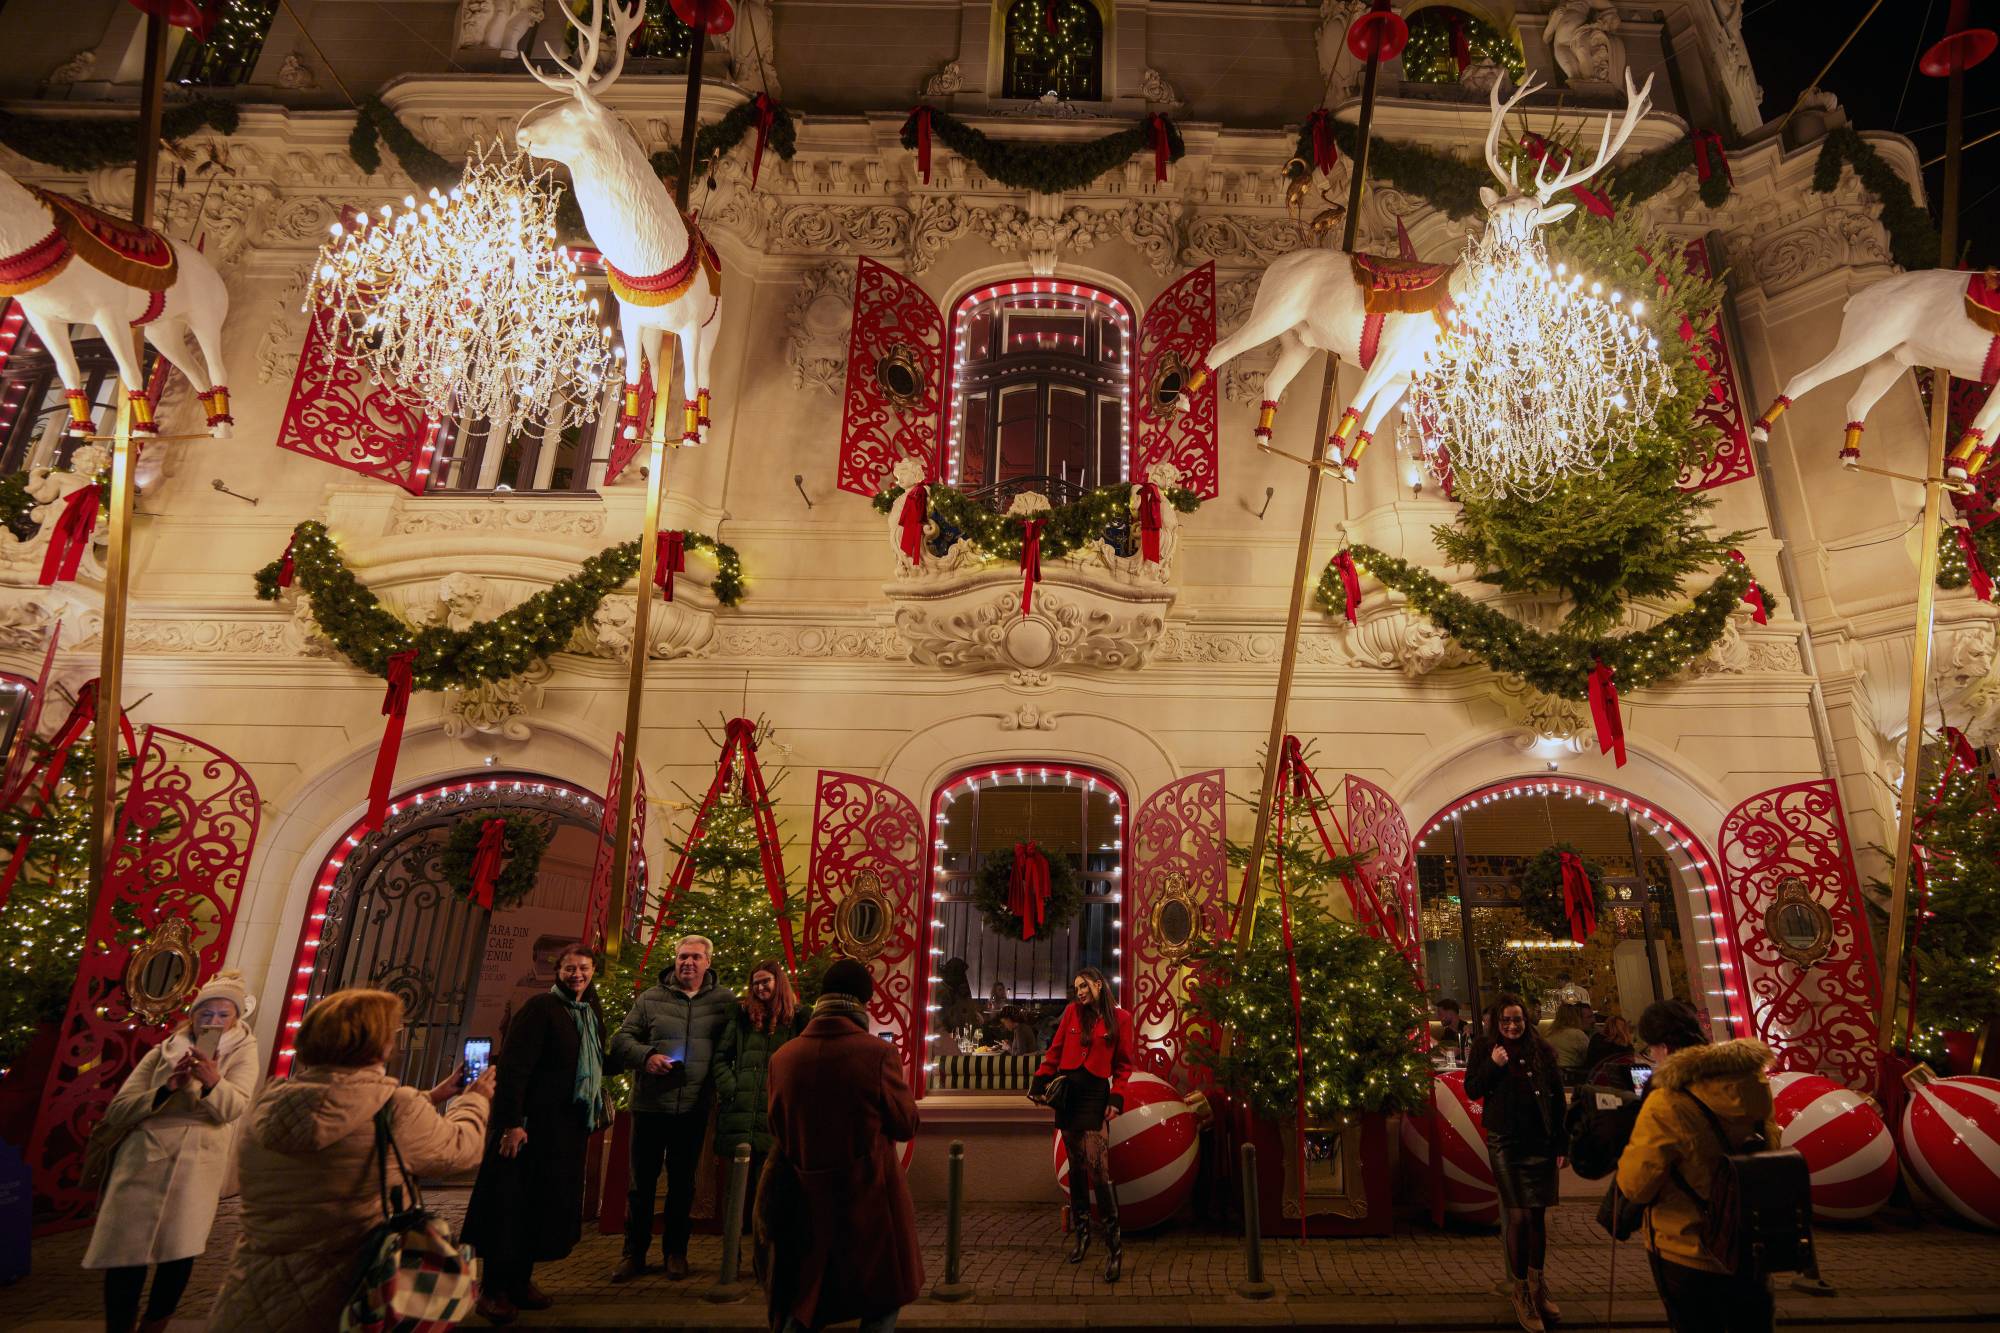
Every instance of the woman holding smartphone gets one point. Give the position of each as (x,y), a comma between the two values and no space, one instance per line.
(176,1111)
(1091,1055)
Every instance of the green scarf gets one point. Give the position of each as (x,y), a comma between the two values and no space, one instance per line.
(589,1057)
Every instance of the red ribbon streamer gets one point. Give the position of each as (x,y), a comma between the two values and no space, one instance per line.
(1604,712)
(285,568)
(1049,17)
(1031,563)
(1705,142)
(1982,583)
(1405,247)
(1540,149)
(1579,901)
(922,115)
(1325,152)
(487,860)
(1158,125)
(1149,521)
(669,559)
(1461,44)
(1754,595)
(1350,584)
(767,114)
(1028,888)
(395,707)
(71,537)
(916,513)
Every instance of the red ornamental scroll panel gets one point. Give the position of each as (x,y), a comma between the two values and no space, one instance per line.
(893,405)
(339,415)
(1723,408)
(1819,1019)
(1176,334)
(1375,821)
(1178,853)
(185,836)
(868,834)
(607,838)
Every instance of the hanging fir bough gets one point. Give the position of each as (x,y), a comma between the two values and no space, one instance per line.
(524,842)
(1913,241)
(1105,514)
(368,633)
(80,143)
(1047,168)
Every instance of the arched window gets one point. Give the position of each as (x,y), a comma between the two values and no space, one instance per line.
(1445,42)
(1040,386)
(1054,46)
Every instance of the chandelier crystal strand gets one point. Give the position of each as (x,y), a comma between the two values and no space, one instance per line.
(1538,374)
(463,304)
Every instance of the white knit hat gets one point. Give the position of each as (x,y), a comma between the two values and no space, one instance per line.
(226,985)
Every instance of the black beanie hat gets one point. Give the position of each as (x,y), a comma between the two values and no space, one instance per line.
(1672,1024)
(849,978)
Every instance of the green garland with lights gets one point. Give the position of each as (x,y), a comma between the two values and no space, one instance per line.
(86,143)
(1953,572)
(367,633)
(1542,889)
(526,839)
(1047,168)
(713,142)
(1954,945)
(997,873)
(1913,241)
(1065,528)
(1554,663)
(1427,56)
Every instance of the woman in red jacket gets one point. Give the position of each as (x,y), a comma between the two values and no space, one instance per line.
(1091,1054)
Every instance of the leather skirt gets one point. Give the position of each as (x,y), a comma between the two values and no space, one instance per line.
(1524,1172)
(1089,1096)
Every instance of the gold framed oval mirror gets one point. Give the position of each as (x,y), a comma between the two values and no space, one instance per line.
(1799,928)
(865,922)
(160,975)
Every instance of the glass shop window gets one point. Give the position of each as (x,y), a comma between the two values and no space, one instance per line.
(1054,46)
(231,51)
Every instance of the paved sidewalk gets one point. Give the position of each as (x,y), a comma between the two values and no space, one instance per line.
(1892,1274)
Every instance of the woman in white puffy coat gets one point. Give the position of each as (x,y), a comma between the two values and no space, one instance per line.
(180,1108)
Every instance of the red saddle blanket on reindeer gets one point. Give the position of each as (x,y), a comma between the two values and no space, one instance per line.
(114,246)
(1392,286)
(1982,300)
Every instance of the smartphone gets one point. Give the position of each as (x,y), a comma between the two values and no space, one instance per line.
(1641,1074)
(478,1055)
(889,1037)
(208,1041)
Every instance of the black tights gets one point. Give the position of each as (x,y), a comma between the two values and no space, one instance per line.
(123,1285)
(1526,1232)
(1089,1165)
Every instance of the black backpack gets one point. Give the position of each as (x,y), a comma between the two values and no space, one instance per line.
(1757,1217)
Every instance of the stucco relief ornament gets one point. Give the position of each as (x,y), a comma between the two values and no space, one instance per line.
(1583,35)
(816,327)
(945,82)
(496,707)
(50,488)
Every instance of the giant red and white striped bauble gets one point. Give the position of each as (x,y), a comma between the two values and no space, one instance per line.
(1469,1192)
(1841,1135)
(1951,1130)
(1155,1145)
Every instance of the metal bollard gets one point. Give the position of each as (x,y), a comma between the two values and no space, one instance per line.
(728,1286)
(952,1288)
(1253,1287)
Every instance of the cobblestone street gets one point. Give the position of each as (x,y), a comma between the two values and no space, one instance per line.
(1893,1274)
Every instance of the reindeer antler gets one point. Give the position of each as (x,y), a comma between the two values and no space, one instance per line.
(577,78)
(1637,102)
(1499,118)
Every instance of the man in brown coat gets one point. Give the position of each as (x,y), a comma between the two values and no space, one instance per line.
(832,1206)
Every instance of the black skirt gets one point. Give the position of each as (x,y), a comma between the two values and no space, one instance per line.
(1087,1099)
(1524,1171)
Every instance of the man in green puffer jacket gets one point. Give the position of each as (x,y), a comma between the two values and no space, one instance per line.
(669,1038)
(767,1018)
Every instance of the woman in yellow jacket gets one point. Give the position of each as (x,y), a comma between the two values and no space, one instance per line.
(1674,1150)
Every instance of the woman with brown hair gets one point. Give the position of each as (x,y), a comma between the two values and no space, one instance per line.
(1091,1054)
(310,1175)
(1514,1072)
(767,1016)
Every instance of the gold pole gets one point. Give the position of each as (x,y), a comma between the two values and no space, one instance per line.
(1927,567)
(1246,903)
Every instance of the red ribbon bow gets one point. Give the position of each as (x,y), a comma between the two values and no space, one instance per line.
(1540,149)
(487,860)
(922,116)
(1028,888)
(1350,584)
(1031,562)
(1982,582)
(1158,125)
(1579,900)
(1604,712)
(669,559)
(1292,768)
(285,568)
(71,537)
(1149,521)
(1461,42)
(767,114)
(1706,142)
(1754,595)
(916,513)
(1325,152)
(395,707)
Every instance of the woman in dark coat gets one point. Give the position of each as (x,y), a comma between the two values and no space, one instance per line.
(1092,1052)
(1514,1072)
(766,1018)
(527,1205)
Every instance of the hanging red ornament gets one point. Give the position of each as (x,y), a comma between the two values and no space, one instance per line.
(1379,34)
(199,17)
(71,537)
(395,707)
(488,859)
(710,16)
(1961,48)
(1031,563)
(1604,712)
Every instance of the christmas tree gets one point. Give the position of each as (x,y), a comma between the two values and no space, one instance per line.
(728,902)
(47,912)
(1955,939)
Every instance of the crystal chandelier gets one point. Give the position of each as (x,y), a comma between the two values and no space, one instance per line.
(1538,373)
(464,305)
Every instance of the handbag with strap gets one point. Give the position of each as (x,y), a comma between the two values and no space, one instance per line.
(415,1278)
(100,1150)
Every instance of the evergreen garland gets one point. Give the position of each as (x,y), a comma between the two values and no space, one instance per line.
(997,873)
(1542,900)
(17,506)
(1105,514)
(80,143)
(1913,241)
(525,841)
(1955,938)
(367,633)
(1047,168)
(712,142)
(1953,572)
(375,124)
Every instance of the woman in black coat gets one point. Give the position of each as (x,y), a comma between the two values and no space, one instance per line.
(1513,1071)
(527,1205)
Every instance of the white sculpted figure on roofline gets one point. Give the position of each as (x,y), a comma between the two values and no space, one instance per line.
(1583,35)
(665,274)
(1388,315)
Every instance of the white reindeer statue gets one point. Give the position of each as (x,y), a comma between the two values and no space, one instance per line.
(667,278)
(1383,314)
(129,277)
(1933,317)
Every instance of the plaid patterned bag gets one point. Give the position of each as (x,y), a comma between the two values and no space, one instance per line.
(414,1277)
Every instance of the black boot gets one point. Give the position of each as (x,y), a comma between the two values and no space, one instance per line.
(1114,1249)
(1079,1235)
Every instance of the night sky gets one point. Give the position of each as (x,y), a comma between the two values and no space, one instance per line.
(1881,88)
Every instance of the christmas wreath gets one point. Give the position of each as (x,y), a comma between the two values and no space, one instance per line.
(467,854)
(1553,883)
(1103,514)
(994,894)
